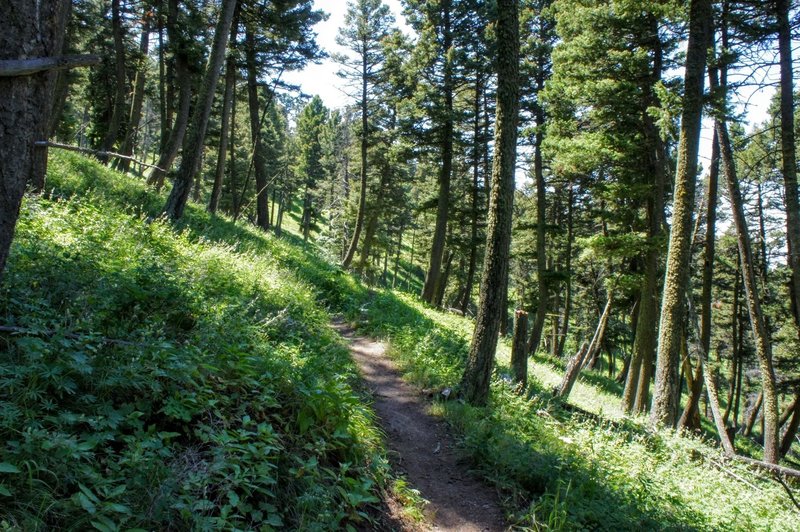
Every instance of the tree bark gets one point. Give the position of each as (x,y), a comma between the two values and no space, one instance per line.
(573,370)
(677,276)
(788,152)
(478,371)
(120,81)
(362,197)
(690,411)
(794,424)
(519,351)
(541,235)
(568,266)
(475,207)
(226,123)
(752,415)
(433,276)
(36,29)
(259,158)
(751,290)
(184,78)
(135,117)
(176,203)
(599,333)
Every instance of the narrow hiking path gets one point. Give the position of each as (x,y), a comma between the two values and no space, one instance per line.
(422,446)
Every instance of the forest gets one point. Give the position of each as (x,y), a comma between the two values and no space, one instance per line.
(558,218)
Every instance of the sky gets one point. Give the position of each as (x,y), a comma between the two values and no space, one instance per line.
(321,79)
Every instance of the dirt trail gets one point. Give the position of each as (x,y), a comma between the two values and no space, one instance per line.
(422,446)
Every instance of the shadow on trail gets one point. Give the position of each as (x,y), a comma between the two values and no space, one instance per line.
(421,446)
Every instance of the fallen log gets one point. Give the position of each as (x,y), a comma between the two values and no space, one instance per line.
(98,153)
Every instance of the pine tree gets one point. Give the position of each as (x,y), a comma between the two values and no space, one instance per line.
(367,23)
(673,319)
(477,374)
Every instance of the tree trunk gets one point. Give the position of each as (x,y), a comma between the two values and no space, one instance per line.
(690,411)
(226,124)
(135,117)
(478,371)
(599,334)
(362,198)
(38,29)
(541,236)
(519,352)
(752,415)
(433,277)
(475,207)
(573,370)
(788,152)
(120,82)
(752,295)
(664,411)
(259,158)
(184,78)
(176,203)
(568,266)
(441,287)
(791,430)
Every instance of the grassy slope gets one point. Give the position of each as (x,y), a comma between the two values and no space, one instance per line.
(222,399)
(561,470)
(227,288)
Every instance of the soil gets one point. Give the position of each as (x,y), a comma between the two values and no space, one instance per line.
(422,448)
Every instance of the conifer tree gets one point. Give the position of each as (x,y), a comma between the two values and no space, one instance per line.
(477,374)
(367,24)
(673,316)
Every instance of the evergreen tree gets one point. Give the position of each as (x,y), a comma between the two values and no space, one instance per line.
(477,374)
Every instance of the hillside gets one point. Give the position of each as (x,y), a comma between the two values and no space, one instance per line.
(186,376)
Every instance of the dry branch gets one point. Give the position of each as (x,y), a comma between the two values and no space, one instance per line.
(26,67)
(98,153)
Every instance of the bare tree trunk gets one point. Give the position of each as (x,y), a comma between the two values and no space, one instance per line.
(478,371)
(541,239)
(568,266)
(176,203)
(184,79)
(752,415)
(690,412)
(599,333)
(752,295)
(26,102)
(788,152)
(573,370)
(135,117)
(120,81)
(794,424)
(519,351)
(362,198)
(226,123)
(259,158)
(664,411)
(433,277)
(475,208)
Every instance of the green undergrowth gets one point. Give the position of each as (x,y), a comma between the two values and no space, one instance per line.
(173,378)
(184,377)
(565,469)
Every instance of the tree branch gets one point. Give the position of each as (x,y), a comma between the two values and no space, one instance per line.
(68,147)
(27,67)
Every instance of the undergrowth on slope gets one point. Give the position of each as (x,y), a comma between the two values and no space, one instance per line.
(561,470)
(157,379)
(228,396)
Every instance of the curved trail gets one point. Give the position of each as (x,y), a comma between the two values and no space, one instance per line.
(422,446)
